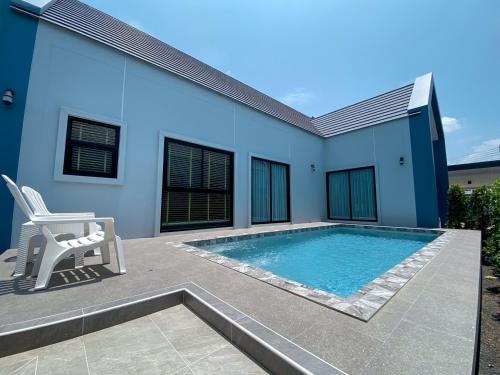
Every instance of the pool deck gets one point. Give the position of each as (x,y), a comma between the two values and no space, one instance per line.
(428,327)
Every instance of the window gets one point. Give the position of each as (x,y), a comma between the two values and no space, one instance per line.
(197,187)
(270,192)
(91,148)
(351,194)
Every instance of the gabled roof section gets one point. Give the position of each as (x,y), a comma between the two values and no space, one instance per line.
(90,22)
(382,108)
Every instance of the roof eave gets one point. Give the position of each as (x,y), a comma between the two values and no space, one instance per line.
(422,93)
(33,6)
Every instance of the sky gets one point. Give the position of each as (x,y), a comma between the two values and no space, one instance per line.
(318,56)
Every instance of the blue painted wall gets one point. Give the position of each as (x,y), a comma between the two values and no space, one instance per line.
(440,163)
(17,40)
(424,175)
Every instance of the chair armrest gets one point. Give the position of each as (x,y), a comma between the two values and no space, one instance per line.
(71,214)
(48,220)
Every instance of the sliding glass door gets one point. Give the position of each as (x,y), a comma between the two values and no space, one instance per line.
(270,192)
(197,187)
(352,194)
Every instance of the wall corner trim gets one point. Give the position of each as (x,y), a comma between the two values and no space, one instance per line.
(421,94)
(33,6)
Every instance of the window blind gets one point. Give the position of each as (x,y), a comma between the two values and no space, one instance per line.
(91,148)
(197,187)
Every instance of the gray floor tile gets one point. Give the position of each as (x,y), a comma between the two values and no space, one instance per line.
(28,369)
(134,347)
(415,350)
(66,357)
(191,337)
(13,362)
(347,349)
(452,314)
(228,360)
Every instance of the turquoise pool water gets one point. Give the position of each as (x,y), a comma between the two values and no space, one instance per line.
(338,261)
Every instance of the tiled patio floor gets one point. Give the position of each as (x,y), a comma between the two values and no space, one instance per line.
(172,341)
(428,327)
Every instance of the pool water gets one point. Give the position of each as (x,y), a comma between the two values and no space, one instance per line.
(338,261)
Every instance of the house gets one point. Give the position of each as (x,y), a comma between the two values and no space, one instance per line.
(99,116)
(473,175)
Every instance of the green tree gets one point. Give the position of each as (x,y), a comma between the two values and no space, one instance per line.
(457,207)
(492,249)
(480,210)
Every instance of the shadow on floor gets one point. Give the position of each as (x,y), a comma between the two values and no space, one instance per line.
(64,276)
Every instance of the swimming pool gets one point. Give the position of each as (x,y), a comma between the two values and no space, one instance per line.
(339,260)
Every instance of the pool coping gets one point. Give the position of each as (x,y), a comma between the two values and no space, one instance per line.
(365,302)
(272,351)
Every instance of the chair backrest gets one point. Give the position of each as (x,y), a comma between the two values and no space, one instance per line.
(18,197)
(35,201)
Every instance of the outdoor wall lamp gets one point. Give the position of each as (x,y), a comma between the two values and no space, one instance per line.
(313,167)
(401,160)
(8,97)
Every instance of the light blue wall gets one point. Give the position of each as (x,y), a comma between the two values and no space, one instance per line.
(382,146)
(75,72)
(17,39)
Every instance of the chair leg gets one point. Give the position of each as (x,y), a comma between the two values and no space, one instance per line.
(119,255)
(53,253)
(39,257)
(105,256)
(31,249)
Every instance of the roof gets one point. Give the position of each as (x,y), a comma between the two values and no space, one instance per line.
(88,21)
(382,108)
(478,165)
(92,23)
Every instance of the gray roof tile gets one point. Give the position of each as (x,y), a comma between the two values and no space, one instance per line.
(382,108)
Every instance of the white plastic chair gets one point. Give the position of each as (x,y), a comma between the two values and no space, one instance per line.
(56,250)
(36,202)
(61,232)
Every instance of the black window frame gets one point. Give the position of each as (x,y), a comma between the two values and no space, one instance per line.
(175,228)
(70,143)
(271,221)
(349,170)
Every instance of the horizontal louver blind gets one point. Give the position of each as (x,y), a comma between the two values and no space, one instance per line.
(91,148)
(197,187)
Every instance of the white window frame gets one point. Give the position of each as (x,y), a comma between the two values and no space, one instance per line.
(61,148)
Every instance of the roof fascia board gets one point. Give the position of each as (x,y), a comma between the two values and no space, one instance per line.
(477,165)
(422,93)
(33,6)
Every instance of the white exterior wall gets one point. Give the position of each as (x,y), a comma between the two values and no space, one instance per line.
(71,71)
(477,177)
(380,146)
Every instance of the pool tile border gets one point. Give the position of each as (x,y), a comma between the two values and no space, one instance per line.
(363,304)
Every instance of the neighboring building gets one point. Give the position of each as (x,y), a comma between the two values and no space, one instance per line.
(109,119)
(474,175)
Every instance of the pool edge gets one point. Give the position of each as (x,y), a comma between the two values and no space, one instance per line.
(365,302)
